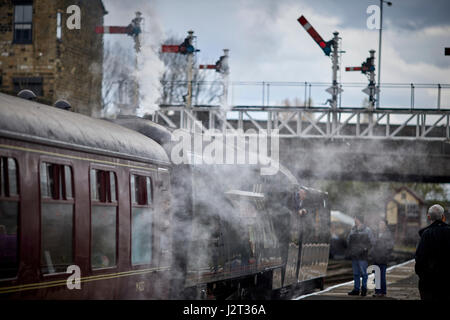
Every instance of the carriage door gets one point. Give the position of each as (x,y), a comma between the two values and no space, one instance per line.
(316,243)
(164,214)
(293,251)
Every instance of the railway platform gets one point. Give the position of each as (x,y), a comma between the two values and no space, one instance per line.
(401,280)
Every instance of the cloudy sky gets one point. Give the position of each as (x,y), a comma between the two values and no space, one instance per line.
(267,43)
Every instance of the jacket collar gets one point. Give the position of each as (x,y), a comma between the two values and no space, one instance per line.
(436,223)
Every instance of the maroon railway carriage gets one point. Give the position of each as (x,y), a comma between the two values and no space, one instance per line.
(83,192)
(89,195)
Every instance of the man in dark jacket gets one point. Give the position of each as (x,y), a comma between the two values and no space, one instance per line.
(381,253)
(433,257)
(359,242)
(300,202)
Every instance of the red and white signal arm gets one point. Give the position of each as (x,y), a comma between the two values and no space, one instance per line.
(207,66)
(111,29)
(170,48)
(312,32)
(353,69)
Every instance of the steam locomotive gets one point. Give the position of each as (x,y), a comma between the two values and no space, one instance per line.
(94,209)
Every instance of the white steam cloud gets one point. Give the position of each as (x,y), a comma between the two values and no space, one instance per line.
(149,67)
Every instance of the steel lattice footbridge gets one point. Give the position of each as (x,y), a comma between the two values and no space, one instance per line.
(430,120)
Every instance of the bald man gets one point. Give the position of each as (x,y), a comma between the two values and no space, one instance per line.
(433,257)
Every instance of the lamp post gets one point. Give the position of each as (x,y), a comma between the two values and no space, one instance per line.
(379,47)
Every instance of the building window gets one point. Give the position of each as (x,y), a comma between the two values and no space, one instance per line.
(23,23)
(34,84)
(9,218)
(141,220)
(412,211)
(57,206)
(103,219)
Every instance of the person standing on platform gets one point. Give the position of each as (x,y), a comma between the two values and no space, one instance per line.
(433,257)
(359,242)
(381,253)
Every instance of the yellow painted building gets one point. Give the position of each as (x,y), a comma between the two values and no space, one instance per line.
(405,215)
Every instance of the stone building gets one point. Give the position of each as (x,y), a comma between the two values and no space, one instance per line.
(39,52)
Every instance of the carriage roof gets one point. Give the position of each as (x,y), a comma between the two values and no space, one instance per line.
(32,121)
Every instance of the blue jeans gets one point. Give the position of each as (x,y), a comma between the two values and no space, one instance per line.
(359,270)
(383,279)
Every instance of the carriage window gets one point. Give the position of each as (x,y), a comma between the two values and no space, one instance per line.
(112,183)
(67,177)
(103,219)
(141,221)
(56,181)
(103,186)
(9,218)
(57,206)
(141,190)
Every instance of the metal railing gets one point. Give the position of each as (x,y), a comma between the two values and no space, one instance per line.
(304,122)
(276,93)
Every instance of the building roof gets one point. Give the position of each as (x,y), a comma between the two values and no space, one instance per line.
(405,188)
(31,121)
(103,7)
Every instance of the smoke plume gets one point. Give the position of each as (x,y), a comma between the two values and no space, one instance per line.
(150,67)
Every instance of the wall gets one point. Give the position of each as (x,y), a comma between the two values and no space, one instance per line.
(71,68)
(79,59)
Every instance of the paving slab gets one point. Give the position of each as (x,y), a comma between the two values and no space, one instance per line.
(402,284)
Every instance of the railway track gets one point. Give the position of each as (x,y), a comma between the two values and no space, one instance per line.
(338,271)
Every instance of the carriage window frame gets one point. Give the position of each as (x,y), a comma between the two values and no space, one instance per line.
(108,203)
(6,196)
(63,200)
(5,178)
(150,205)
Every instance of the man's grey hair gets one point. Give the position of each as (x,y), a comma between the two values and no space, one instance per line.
(436,212)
